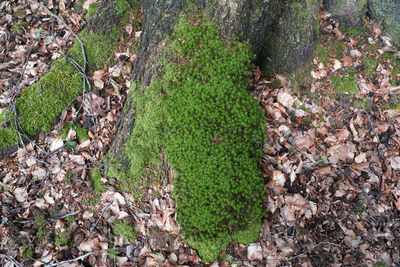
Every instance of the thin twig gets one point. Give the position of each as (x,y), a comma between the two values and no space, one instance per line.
(16,263)
(308,250)
(101,216)
(69,214)
(83,256)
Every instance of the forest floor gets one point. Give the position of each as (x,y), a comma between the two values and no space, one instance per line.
(331,161)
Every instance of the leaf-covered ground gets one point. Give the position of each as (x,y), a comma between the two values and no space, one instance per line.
(331,161)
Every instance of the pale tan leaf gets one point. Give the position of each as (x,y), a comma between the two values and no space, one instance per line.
(20,194)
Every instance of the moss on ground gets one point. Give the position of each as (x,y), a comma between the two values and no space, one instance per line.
(125,230)
(91,10)
(209,249)
(42,102)
(353,31)
(212,131)
(81,132)
(370,64)
(344,85)
(98,184)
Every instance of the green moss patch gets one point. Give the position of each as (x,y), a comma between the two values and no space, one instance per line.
(212,132)
(209,249)
(91,10)
(214,136)
(98,184)
(144,146)
(81,132)
(369,65)
(344,85)
(125,230)
(42,102)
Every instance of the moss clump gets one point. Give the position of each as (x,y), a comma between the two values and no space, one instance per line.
(125,230)
(91,10)
(62,239)
(98,184)
(19,26)
(345,85)
(81,132)
(27,251)
(353,31)
(40,104)
(144,146)
(369,65)
(121,6)
(215,133)
(43,233)
(209,249)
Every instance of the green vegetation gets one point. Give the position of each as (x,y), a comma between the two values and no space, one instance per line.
(121,6)
(369,65)
(19,13)
(361,4)
(380,264)
(353,31)
(112,253)
(62,239)
(125,230)
(81,132)
(361,209)
(17,27)
(40,104)
(209,249)
(362,103)
(70,218)
(91,10)
(345,85)
(144,147)
(212,131)
(214,137)
(327,48)
(98,184)
(42,232)
(27,251)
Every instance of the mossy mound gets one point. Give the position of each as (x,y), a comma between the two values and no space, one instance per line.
(215,133)
(42,102)
(212,131)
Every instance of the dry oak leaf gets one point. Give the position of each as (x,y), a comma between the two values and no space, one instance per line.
(341,152)
(89,245)
(303,141)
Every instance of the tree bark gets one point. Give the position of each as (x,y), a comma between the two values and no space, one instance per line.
(387,13)
(350,13)
(267,25)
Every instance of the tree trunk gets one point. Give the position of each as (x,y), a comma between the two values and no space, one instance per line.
(387,13)
(350,13)
(281,34)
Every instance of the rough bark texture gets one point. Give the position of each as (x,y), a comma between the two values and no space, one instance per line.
(387,13)
(254,20)
(349,13)
(291,40)
(104,18)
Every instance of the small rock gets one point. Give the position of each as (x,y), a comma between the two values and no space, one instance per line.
(172,258)
(254,252)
